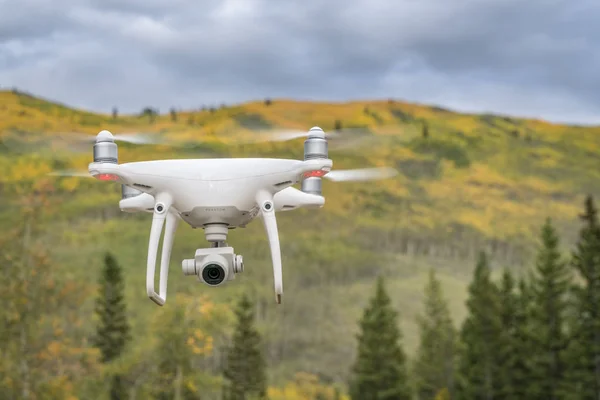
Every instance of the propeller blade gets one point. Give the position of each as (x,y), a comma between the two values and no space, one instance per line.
(72,173)
(341,139)
(365,174)
(133,137)
(291,134)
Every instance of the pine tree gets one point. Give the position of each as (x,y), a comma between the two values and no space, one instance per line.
(433,369)
(246,367)
(379,372)
(584,348)
(425,130)
(513,371)
(113,331)
(550,286)
(479,338)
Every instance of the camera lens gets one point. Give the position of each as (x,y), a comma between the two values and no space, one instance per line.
(213,274)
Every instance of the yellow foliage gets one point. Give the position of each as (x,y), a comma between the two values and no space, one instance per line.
(304,387)
(60,388)
(206,307)
(199,334)
(443,394)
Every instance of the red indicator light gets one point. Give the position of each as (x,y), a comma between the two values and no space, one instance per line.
(107,177)
(315,174)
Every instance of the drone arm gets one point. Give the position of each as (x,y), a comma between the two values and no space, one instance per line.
(141,202)
(162,212)
(291,198)
(264,200)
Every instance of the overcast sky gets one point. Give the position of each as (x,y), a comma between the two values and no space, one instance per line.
(537,58)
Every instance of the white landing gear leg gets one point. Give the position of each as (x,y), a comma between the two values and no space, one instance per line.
(264,200)
(162,212)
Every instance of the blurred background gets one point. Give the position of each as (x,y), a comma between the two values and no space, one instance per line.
(473,273)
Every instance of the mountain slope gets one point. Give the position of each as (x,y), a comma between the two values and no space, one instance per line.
(475,182)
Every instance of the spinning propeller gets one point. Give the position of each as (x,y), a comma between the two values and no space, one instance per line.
(134,138)
(341,139)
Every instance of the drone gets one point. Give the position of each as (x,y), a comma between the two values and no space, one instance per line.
(217,195)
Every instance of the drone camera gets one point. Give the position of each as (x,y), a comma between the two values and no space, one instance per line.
(214,266)
(213,274)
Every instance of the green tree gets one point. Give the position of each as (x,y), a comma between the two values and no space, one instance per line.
(425,130)
(337,125)
(245,372)
(379,372)
(113,331)
(514,346)
(151,113)
(480,337)
(433,369)
(550,284)
(584,347)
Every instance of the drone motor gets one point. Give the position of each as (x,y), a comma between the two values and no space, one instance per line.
(128,192)
(315,147)
(105,148)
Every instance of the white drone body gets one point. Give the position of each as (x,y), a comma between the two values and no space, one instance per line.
(215,195)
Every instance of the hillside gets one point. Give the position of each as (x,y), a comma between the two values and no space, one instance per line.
(476,182)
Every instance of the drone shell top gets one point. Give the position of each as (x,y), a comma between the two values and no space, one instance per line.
(211,190)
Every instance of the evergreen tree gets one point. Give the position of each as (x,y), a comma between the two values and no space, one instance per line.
(425,130)
(246,367)
(113,331)
(513,371)
(584,348)
(550,286)
(433,369)
(480,338)
(337,125)
(379,372)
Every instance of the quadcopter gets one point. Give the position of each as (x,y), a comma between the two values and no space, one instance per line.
(217,195)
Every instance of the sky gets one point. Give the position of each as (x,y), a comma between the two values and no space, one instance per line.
(534,58)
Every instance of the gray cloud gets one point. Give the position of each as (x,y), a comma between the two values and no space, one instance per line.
(537,58)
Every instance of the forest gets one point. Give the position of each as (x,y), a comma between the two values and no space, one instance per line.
(471,275)
(532,335)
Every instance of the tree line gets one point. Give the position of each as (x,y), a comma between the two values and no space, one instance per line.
(533,335)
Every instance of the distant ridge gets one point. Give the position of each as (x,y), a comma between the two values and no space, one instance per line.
(435,108)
